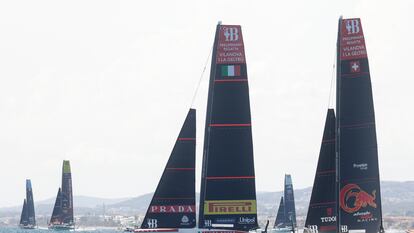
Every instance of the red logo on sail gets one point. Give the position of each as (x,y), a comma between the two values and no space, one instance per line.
(172,209)
(230,48)
(352,43)
(353,198)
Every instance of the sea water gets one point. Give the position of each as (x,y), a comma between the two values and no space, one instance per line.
(92,230)
(86,230)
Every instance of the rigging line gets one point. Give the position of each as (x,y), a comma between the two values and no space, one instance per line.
(330,99)
(201,77)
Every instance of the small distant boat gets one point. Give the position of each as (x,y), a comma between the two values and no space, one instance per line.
(62,216)
(27,218)
(286,214)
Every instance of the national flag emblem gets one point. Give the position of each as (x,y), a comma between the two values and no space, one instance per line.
(355,66)
(230,71)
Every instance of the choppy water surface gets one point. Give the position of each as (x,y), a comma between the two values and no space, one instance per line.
(91,230)
(18,230)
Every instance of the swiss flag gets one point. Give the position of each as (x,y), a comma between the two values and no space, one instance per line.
(355,67)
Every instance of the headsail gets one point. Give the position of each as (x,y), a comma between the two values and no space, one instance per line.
(228,194)
(359,184)
(173,203)
(24,217)
(57,209)
(289,201)
(322,207)
(280,217)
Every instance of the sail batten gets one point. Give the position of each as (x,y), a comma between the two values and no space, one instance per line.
(227,195)
(173,203)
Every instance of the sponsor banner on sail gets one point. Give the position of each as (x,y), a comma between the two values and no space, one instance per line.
(230,49)
(359,204)
(352,40)
(172,209)
(224,207)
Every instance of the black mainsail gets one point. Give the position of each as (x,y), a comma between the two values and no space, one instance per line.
(280,217)
(228,194)
(173,203)
(322,207)
(359,182)
(28,219)
(289,201)
(62,216)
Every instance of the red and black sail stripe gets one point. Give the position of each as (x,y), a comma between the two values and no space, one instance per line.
(322,207)
(359,183)
(173,203)
(228,196)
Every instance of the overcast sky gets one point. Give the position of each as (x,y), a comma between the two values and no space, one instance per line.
(107,85)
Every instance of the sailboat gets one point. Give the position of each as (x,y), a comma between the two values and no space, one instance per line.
(286,214)
(27,218)
(346,194)
(228,192)
(173,205)
(322,209)
(62,216)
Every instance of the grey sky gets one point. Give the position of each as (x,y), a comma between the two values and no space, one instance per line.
(107,84)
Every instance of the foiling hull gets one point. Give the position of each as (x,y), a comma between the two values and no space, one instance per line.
(61,227)
(27,226)
(281,230)
(190,230)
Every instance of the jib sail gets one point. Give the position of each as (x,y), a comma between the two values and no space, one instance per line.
(24,217)
(173,203)
(57,209)
(280,217)
(228,194)
(322,207)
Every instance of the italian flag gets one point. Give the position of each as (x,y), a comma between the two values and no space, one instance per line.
(230,71)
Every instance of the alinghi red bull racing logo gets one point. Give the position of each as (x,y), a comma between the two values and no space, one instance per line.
(353,198)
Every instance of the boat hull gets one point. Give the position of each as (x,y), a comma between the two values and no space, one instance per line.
(190,230)
(27,227)
(61,227)
(281,230)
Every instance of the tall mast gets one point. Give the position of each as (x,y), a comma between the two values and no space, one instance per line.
(338,119)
